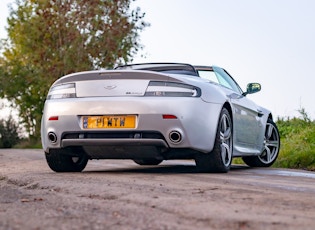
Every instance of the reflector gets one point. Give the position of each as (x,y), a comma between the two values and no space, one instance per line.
(54,118)
(169,116)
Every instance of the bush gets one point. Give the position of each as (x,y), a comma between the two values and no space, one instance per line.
(9,133)
(297,143)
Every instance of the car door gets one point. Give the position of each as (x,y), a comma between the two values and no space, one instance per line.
(247,125)
(247,121)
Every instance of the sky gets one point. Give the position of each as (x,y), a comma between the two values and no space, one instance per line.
(271,42)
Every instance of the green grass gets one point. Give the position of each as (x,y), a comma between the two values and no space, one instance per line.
(297,144)
(28,144)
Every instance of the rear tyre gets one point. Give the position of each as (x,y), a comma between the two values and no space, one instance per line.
(220,158)
(65,160)
(147,161)
(271,148)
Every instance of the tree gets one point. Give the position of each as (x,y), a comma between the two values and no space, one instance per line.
(9,132)
(51,38)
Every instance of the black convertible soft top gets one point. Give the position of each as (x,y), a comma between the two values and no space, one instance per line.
(173,68)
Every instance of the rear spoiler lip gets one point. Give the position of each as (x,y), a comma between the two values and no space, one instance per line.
(115,74)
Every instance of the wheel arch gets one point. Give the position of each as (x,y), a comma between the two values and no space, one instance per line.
(229,108)
(220,157)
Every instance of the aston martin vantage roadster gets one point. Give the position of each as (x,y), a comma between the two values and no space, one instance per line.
(154,112)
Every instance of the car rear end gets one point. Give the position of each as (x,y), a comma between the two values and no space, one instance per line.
(128,115)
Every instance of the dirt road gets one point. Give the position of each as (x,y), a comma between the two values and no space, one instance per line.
(118,194)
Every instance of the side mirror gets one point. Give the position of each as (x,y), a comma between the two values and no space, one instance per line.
(252,88)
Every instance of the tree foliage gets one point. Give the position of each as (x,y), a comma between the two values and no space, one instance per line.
(51,38)
(9,132)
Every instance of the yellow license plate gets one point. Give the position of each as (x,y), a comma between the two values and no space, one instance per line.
(109,122)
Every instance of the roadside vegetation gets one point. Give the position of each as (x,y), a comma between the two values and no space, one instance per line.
(297,142)
(9,133)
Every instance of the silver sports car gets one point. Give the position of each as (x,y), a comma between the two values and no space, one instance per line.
(154,112)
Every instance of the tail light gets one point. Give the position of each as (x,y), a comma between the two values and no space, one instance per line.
(172,89)
(62,91)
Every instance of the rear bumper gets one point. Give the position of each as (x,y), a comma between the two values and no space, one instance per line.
(196,122)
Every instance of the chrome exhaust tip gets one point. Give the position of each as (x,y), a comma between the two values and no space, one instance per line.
(175,137)
(52,137)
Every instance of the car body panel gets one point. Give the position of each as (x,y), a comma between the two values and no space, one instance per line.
(191,120)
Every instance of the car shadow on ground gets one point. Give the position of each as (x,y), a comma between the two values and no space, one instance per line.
(160,169)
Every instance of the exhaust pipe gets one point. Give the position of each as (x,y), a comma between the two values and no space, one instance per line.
(52,137)
(175,137)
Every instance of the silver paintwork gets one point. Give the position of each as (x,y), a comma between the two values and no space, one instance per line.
(121,92)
